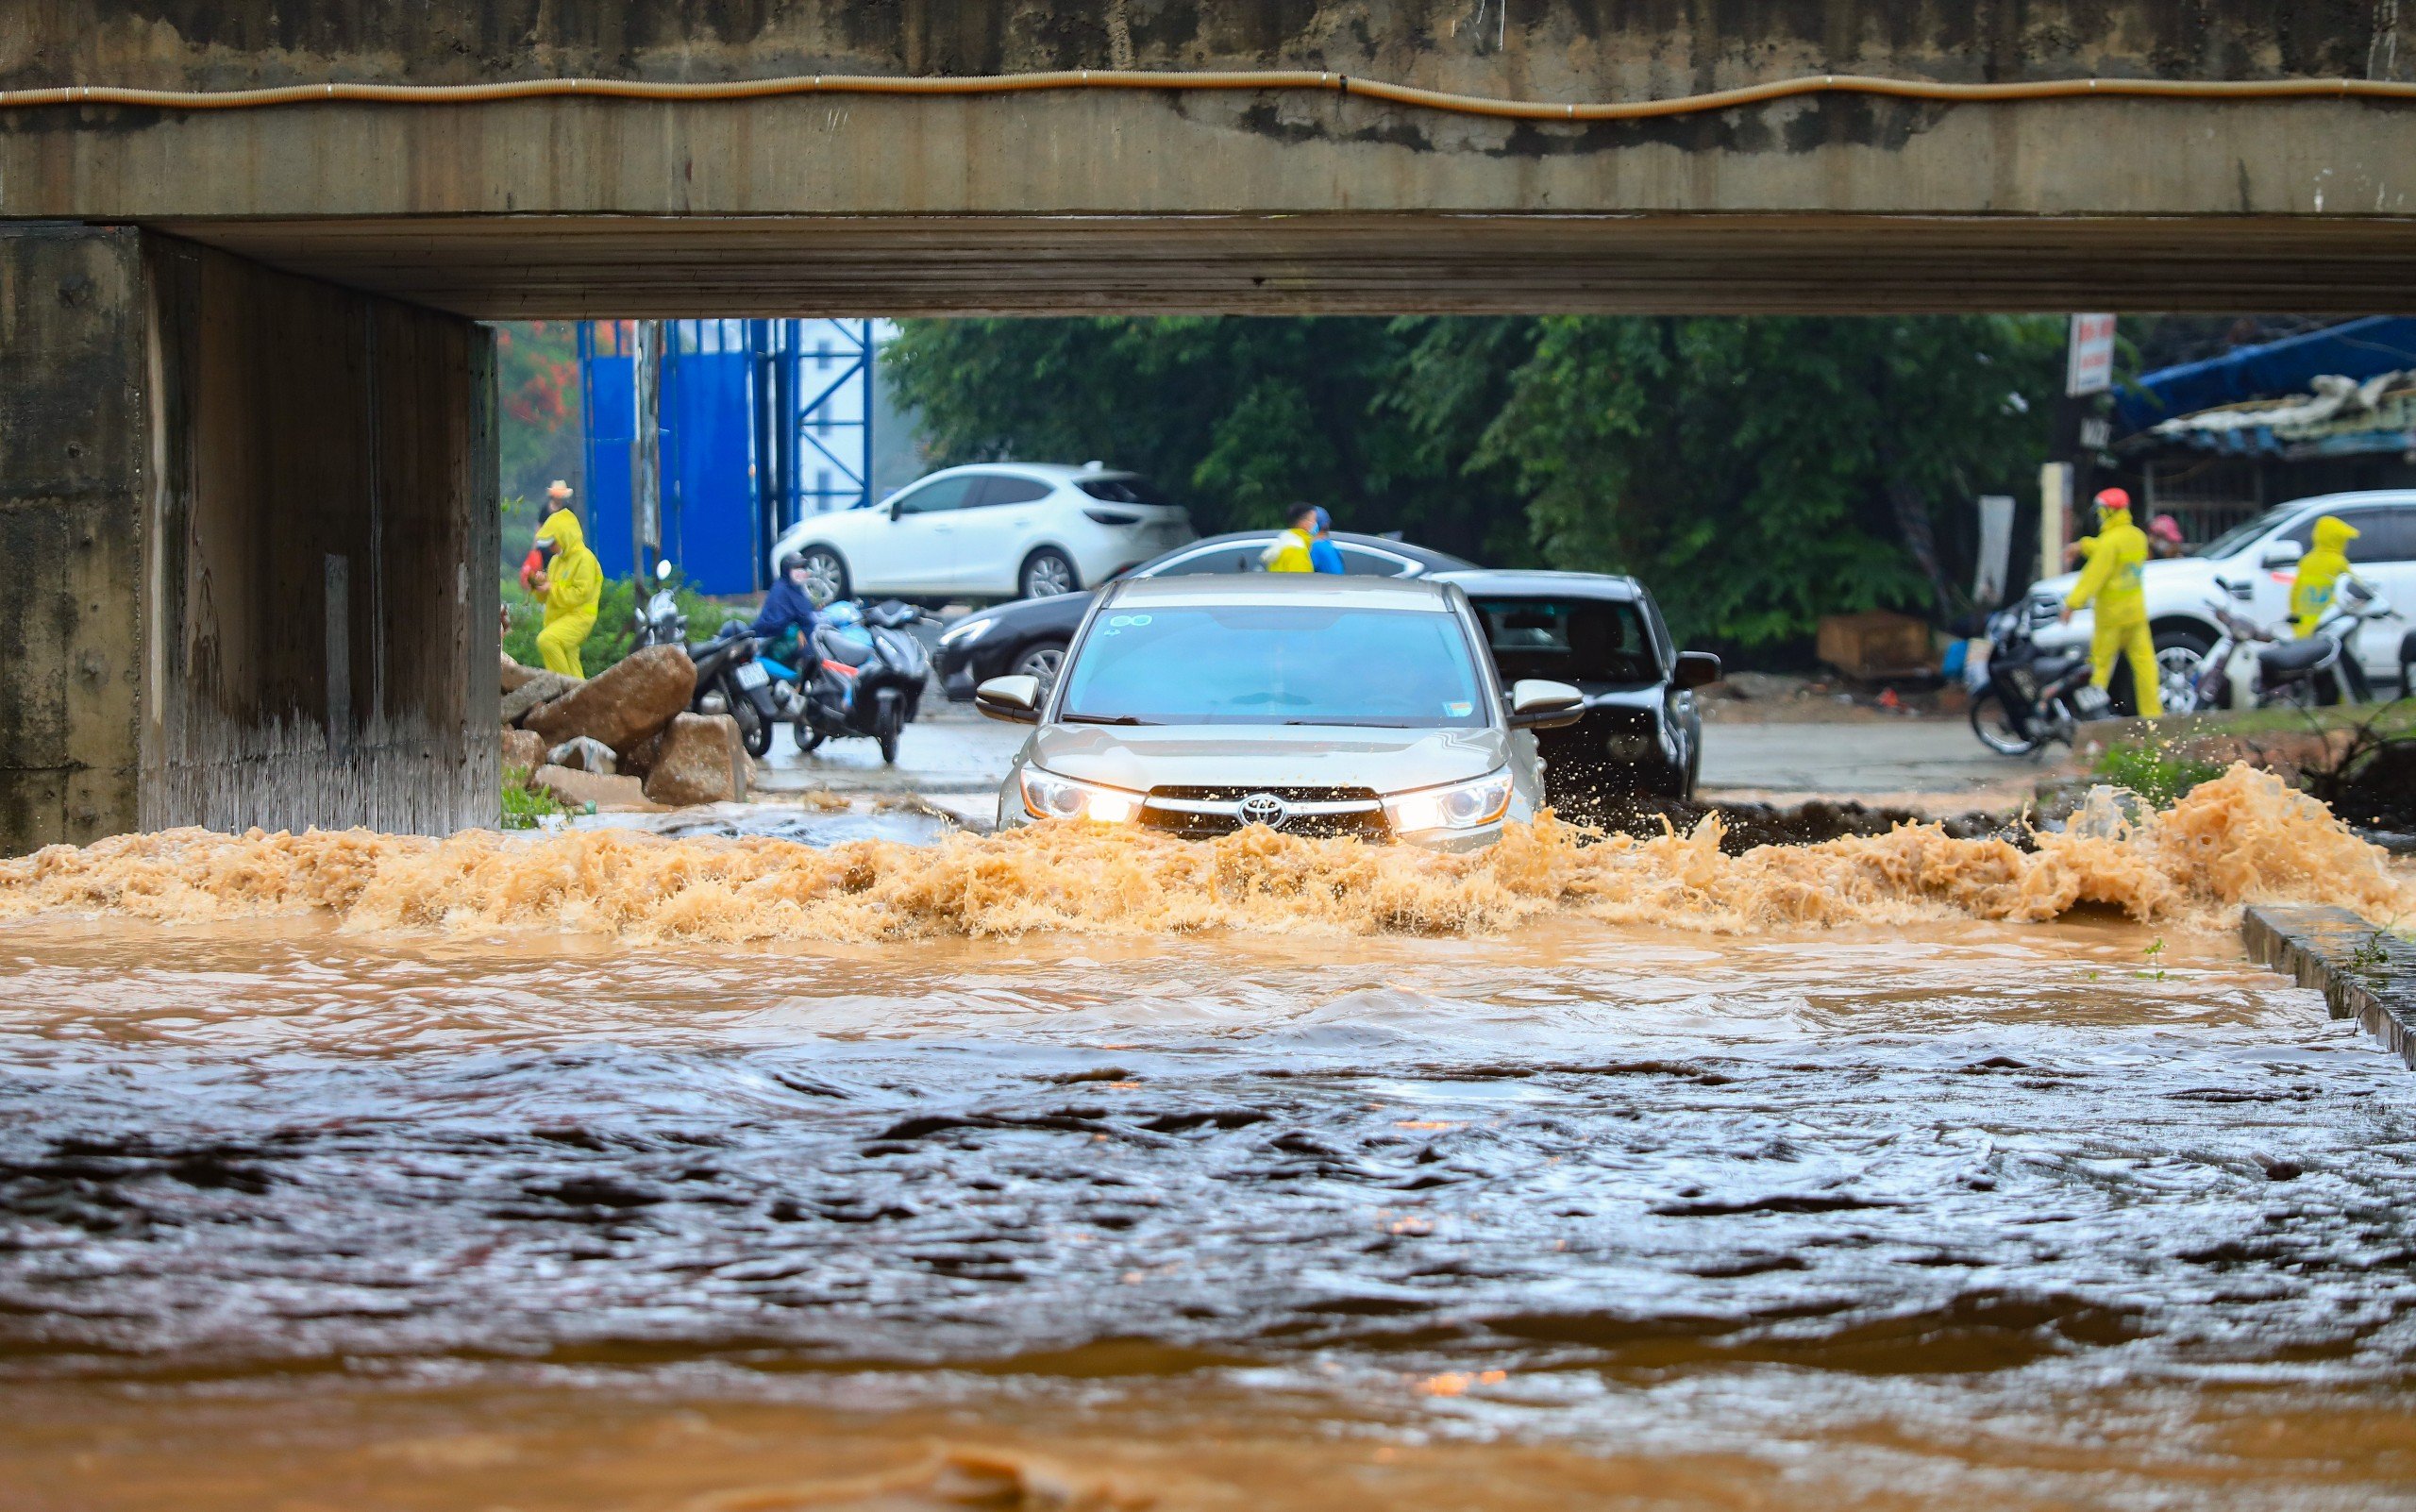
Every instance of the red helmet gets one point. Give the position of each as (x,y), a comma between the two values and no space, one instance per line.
(2165,528)
(2113,499)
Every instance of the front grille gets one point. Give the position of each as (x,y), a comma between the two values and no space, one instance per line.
(1204,812)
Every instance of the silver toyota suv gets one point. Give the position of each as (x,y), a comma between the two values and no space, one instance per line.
(1315,705)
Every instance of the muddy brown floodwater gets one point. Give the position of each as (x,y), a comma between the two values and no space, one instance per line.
(298,1214)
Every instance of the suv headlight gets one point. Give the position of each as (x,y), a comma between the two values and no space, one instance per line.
(1459,806)
(1047,796)
(964,633)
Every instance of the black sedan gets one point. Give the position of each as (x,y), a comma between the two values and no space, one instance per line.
(1642,736)
(1031,635)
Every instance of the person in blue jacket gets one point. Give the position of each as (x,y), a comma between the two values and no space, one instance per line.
(1324,556)
(788,612)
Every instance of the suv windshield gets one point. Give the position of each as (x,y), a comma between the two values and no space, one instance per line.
(1275,664)
(2241,534)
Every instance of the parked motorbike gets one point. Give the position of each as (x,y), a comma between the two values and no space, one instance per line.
(2031,697)
(2225,678)
(2322,665)
(731,679)
(866,677)
(659,620)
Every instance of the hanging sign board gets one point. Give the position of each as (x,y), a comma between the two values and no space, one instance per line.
(2091,367)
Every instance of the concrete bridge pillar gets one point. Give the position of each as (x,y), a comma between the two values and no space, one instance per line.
(248,531)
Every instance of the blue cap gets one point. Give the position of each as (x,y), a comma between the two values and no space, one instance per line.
(1325,521)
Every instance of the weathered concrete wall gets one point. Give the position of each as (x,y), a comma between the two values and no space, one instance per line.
(322,650)
(1554,48)
(74,471)
(239,511)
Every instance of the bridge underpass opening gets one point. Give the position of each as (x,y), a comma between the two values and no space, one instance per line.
(260,550)
(247,418)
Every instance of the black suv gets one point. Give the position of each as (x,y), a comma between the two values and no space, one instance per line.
(1642,736)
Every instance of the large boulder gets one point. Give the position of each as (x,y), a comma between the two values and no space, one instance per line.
(701,760)
(579,789)
(537,691)
(624,702)
(522,750)
(637,758)
(515,676)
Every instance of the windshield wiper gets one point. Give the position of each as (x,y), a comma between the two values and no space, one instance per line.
(1102,719)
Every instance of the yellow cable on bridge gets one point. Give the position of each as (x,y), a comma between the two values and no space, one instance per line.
(1267,81)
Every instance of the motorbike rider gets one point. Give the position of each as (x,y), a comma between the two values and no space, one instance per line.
(785,625)
(573,583)
(2320,573)
(2111,583)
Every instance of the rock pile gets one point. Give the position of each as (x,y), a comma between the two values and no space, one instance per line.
(623,738)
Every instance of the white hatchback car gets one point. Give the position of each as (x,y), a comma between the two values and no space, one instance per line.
(991,530)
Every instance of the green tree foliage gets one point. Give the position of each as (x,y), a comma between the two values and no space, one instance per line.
(1762,473)
(1756,472)
(538,439)
(1234,418)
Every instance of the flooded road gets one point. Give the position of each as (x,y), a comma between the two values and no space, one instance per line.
(2085,1212)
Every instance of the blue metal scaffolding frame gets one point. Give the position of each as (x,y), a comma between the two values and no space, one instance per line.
(802,444)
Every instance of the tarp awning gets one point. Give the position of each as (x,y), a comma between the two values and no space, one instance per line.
(2357,350)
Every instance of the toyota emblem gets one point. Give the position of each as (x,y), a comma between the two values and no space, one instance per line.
(1266,809)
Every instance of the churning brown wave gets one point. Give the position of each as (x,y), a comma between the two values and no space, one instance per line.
(2243,837)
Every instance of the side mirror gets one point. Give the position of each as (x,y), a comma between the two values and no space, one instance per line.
(1015,699)
(1695,669)
(1538,703)
(662,571)
(2281,554)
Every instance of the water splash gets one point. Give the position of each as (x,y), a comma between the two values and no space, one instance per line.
(2243,837)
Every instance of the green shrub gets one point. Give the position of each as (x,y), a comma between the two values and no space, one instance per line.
(2153,772)
(613,634)
(524,805)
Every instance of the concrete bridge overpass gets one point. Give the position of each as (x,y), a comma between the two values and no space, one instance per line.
(246,422)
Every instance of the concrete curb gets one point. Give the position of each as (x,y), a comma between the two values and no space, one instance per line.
(2365,974)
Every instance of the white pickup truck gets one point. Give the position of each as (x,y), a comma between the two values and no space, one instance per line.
(2259,562)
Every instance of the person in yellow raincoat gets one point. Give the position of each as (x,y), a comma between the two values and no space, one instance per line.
(2110,583)
(1290,552)
(572,581)
(2319,572)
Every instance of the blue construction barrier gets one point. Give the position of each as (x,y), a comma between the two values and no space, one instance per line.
(747,408)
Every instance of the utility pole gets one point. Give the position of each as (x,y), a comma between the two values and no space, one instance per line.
(645,445)
(2079,432)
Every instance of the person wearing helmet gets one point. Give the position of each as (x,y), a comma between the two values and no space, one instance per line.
(2320,571)
(788,612)
(2111,585)
(2164,538)
(573,583)
(1324,556)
